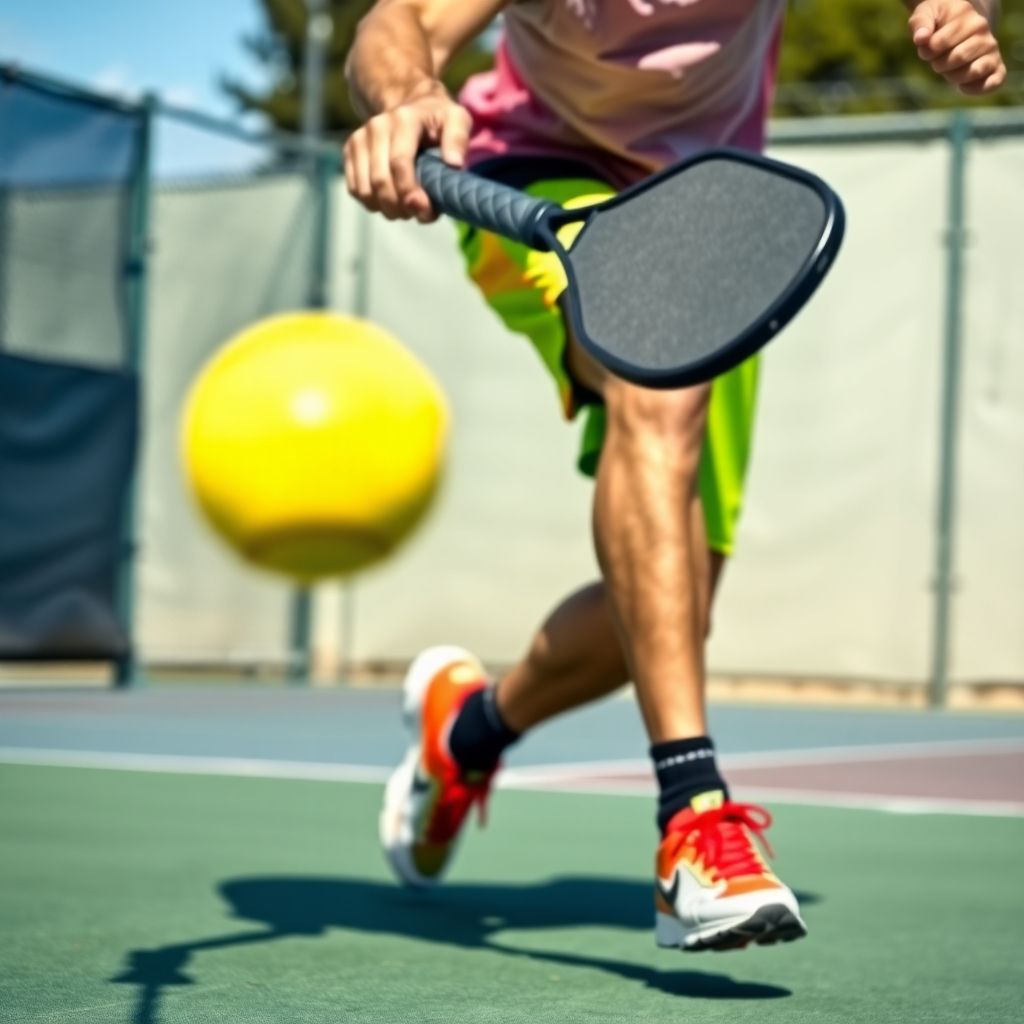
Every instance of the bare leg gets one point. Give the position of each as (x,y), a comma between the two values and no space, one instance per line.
(583,652)
(659,576)
(651,547)
(575,658)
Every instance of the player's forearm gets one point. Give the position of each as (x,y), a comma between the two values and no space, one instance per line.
(391,60)
(402,46)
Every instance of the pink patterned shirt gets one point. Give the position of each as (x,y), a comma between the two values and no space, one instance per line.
(626,86)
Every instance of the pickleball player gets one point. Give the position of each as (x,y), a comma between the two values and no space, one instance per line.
(586,97)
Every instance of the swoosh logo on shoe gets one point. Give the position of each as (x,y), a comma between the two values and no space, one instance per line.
(691,885)
(670,895)
(420,785)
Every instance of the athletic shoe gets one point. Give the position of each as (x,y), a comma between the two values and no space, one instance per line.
(428,797)
(714,889)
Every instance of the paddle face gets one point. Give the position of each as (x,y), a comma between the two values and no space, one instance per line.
(683,276)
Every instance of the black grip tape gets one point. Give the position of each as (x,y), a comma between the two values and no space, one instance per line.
(483,203)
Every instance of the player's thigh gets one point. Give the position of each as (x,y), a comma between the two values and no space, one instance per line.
(525,287)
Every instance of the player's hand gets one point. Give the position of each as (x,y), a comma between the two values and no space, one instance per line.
(956,39)
(380,156)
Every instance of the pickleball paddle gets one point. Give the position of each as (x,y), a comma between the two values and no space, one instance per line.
(680,277)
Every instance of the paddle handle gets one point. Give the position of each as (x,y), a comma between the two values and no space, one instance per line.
(483,203)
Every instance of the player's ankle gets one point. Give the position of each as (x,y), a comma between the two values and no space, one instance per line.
(480,734)
(688,777)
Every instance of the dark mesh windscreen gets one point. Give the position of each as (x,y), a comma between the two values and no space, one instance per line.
(67,443)
(65,171)
(666,277)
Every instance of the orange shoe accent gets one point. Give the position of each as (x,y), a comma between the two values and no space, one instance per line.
(455,793)
(428,797)
(752,883)
(718,846)
(447,692)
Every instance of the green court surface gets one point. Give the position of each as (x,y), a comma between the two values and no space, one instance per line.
(136,897)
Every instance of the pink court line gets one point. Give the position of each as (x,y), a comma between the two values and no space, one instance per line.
(802,797)
(775,759)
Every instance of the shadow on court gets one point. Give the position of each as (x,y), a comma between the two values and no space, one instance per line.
(466,916)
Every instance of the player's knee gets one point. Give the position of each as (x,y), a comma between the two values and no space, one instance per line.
(671,419)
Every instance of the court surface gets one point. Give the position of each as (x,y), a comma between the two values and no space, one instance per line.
(183,854)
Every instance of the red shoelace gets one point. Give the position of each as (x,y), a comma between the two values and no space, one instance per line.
(458,795)
(721,838)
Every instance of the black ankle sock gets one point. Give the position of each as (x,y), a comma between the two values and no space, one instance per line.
(685,769)
(480,735)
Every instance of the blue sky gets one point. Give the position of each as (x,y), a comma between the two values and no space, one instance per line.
(177,48)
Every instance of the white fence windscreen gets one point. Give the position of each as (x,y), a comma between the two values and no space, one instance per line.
(224,257)
(834,572)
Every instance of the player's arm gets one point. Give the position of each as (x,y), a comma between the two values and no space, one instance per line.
(957,38)
(394,69)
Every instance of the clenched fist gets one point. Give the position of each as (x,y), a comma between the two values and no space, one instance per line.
(955,37)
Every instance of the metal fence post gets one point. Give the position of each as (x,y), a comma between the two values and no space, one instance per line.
(136,274)
(360,308)
(300,631)
(319,29)
(945,584)
(324,170)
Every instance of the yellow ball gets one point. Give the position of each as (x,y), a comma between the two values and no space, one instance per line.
(314,443)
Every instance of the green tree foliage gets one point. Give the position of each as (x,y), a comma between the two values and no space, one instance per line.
(855,56)
(278,49)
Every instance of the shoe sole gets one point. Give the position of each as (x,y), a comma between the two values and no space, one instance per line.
(422,670)
(396,793)
(768,925)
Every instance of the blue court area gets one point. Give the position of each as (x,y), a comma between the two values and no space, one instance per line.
(362,727)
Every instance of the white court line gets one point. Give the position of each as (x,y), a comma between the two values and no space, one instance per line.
(187,764)
(579,778)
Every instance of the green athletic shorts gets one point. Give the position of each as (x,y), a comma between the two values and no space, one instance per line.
(523,287)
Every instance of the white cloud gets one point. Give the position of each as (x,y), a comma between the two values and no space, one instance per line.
(116,80)
(181,95)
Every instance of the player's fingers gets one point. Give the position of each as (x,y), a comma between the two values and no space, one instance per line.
(346,166)
(990,84)
(455,135)
(379,132)
(405,141)
(357,169)
(921,24)
(976,71)
(956,30)
(963,54)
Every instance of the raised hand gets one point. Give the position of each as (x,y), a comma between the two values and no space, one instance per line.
(955,37)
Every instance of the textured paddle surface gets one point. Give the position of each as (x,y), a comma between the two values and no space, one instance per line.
(693,262)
